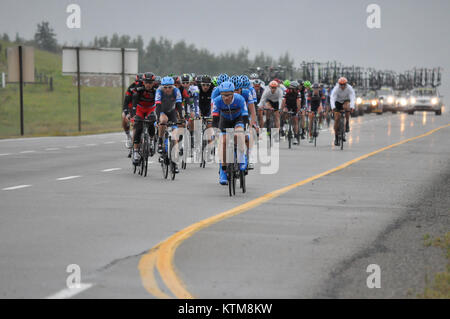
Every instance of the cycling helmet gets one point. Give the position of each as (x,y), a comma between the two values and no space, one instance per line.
(205,79)
(214,81)
(245,81)
(167,80)
(342,80)
(186,78)
(226,86)
(294,85)
(176,79)
(148,77)
(139,77)
(273,84)
(158,79)
(257,82)
(254,76)
(287,83)
(315,86)
(307,84)
(222,78)
(237,81)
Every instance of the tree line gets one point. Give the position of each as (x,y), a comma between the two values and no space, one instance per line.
(163,56)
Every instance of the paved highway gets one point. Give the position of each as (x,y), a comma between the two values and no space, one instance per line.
(74,200)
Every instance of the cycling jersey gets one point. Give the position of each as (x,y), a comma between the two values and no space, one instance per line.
(314,100)
(236,108)
(253,92)
(128,99)
(341,96)
(191,99)
(144,98)
(204,101)
(215,93)
(268,96)
(292,96)
(259,93)
(165,102)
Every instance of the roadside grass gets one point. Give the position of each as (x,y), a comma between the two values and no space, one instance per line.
(439,288)
(49,113)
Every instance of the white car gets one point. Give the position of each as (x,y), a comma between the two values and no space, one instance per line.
(424,99)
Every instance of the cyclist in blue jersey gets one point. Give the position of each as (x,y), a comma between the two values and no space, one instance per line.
(167,99)
(229,110)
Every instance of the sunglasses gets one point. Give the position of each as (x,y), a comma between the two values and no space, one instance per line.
(185,82)
(206,84)
(167,87)
(227,94)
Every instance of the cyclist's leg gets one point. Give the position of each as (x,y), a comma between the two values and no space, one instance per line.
(241,145)
(276,111)
(162,128)
(310,116)
(260,117)
(347,114)
(125,123)
(337,115)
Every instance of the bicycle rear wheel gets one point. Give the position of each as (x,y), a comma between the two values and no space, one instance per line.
(230,175)
(342,132)
(164,167)
(242,181)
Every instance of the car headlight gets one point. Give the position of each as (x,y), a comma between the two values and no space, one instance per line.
(374,102)
(390,99)
(434,101)
(413,100)
(358,100)
(403,102)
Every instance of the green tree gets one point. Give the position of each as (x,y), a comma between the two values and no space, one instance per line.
(45,38)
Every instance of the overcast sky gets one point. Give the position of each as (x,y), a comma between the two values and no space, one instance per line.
(413,32)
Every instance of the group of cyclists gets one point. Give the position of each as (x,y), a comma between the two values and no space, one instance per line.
(237,102)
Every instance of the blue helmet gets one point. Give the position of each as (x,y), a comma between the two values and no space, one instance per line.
(245,81)
(222,78)
(226,86)
(236,80)
(167,80)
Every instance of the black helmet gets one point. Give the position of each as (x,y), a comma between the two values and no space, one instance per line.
(158,79)
(205,79)
(139,77)
(315,86)
(176,79)
(148,77)
(186,78)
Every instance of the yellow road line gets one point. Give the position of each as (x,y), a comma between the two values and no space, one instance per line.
(146,269)
(165,251)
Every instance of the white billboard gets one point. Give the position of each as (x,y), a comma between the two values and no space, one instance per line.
(99,61)
(27,64)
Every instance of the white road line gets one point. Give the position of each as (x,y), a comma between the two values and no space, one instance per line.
(15,187)
(67,178)
(52,149)
(91,144)
(70,292)
(111,169)
(26,152)
(4,154)
(110,142)
(72,146)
